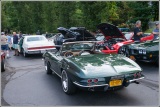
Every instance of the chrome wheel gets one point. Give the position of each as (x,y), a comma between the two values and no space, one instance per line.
(24,53)
(48,69)
(64,81)
(123,51)
(45,65)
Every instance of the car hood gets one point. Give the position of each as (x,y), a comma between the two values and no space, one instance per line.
(152,45)
(83,32)
(64,31)
(110,31)
(102,65)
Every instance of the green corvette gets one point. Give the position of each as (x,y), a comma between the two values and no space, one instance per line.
(80,65)
(146,51)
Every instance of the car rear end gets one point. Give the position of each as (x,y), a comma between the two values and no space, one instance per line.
(38,46)
(40,49)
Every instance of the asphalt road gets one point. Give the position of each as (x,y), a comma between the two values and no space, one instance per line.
(25,83)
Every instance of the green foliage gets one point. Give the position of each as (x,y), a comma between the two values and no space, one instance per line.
(47,16)
(148,31)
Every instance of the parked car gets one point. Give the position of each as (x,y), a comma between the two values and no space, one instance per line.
(114,38)
(73,34)
(124,29)
(147,51)
(100,37)
(85,35)
(49,35)
(3,55)
(145,36)
(80,65)
(34,44)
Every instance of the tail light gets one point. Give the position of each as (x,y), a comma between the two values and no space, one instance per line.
(135,75)
(139,74)
(89,80)
(92,80)
(95,80)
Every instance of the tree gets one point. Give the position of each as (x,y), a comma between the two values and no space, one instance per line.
(30,16)
(141,11)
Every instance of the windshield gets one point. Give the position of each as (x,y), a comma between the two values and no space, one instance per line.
(31,39)
(124,29)
(77,46)
(128,35)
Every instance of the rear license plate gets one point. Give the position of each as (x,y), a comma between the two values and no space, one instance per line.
(43,51)
(114,83)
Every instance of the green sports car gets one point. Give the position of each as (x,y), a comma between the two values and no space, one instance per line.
(145,51)
(81,65)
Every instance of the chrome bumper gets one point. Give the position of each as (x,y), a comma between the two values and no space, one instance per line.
(90,85)
(40,51)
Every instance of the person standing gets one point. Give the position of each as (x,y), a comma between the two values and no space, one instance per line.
(38,32)
(9,41)
(137,32)
(156,31)
(58,41)
(20,34)
(4,44)
(15,44)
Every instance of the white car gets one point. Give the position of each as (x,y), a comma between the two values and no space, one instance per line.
(34,44)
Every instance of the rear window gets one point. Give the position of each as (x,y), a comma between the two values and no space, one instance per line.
(31,39)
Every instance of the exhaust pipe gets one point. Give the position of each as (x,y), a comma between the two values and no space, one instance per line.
(91,89)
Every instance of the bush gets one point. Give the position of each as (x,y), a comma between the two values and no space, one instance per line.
(148,31)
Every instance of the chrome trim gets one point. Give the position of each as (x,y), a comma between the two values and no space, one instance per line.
(56,73)
(90,86)
(136,79)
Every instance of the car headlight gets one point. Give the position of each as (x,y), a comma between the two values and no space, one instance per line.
(140,51)
(144,51)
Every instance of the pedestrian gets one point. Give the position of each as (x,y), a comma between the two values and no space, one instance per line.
(4,44)
(20,34)
(38,32)
(156,31)
(58,41)
(9,41)
(137,32)
(15,44)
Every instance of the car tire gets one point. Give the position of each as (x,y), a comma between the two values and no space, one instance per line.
(47,68)
(157,62)
(25,54)
(3,65)
(67,85)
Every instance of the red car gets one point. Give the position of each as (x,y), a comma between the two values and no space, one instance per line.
(3,55)
(146,36)
(114,38)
